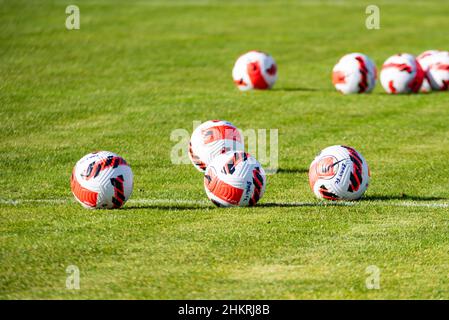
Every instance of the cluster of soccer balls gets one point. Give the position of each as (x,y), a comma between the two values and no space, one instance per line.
(401,73)
(357,73)
(232,177)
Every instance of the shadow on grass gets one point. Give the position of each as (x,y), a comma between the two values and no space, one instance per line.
(292,170)
(379,198)
(301,204)
(171,207)
(206,206)
(212,207)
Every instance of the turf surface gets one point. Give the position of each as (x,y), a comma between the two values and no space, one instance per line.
(134,73)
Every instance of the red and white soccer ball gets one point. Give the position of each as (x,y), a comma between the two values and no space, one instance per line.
(438,71)
(234,179)
(254,70)
(401,73)
(425,60)
(211,139)
(102,180)
(354,73)
(339,173)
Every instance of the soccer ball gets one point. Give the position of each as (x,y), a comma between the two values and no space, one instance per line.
(438,71)
(211,139)
(254,70)
(234,179)
(401,73)
(425,60)
(339,173)
(354,73)
(102,180)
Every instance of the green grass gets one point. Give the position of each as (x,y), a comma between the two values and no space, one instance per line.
(134,73)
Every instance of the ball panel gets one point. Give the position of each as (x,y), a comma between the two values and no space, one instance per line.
(259,186)
(196,161)
(425,60)
(322,168)
(86,197)
(438,72)
(321,191)
(255,74)
(222,190)
(211,139)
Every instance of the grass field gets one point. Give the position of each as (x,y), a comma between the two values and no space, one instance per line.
(135,72)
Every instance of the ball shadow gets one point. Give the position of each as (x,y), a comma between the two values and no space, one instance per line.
(297,89)
(292,170)
(301,204)
(169,207)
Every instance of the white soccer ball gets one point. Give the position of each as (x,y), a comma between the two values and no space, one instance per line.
(354,73)
(339,173)
(425,60)
(102,180)
(438,71)
(401,73)
(211,139)
(234,179)
(254,70)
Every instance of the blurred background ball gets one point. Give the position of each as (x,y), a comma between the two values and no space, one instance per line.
(211,139)
(401,73)
(354,73)
(234,179)
(438,71)
(102,180)
(254,70)
(339,173)
(425,60)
